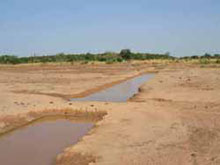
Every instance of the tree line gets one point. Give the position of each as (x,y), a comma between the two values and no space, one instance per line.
(124,55)
(205,56)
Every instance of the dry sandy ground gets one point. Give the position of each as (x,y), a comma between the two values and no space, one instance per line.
(25,88)
(173,120)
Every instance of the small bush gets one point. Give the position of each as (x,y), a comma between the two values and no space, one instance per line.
(119,60)
(204,61)
(84,62)
(109,62)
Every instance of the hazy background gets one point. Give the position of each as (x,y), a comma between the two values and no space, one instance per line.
(182,27)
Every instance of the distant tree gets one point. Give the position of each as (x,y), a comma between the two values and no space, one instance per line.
(217,55)
(126,54)
(207,55)
(60,57)
(167,53)
(8,59)
(89,57)
(195,57)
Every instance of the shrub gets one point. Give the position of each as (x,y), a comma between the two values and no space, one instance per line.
(84,62)
(110,62)
(119,59)
(204,61)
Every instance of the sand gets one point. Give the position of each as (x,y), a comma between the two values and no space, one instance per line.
(35,87)
(173,120)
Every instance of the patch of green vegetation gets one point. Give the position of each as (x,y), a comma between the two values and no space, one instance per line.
(108,57)
(84,62)
(204,61)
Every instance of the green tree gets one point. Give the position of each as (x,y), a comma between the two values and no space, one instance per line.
(126,54)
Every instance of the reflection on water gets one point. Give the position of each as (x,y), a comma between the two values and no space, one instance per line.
(118,93)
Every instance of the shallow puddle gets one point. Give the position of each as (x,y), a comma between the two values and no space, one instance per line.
(120,92)
(40,143)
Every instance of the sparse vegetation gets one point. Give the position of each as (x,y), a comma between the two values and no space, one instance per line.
(108,57)
(203,60)
(205,56)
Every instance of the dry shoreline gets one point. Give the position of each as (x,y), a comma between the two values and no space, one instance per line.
(173,120)
(15,122)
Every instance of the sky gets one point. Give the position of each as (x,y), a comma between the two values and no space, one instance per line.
(40,27)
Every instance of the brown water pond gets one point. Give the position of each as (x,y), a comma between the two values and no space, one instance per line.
(40,143)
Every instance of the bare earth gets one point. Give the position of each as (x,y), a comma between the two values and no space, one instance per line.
(25,88)
(173,120)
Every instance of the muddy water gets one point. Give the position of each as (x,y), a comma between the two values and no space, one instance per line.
(118,93)
(39,144)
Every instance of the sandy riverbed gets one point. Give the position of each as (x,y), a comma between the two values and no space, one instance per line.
(173,120)
(25,88)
